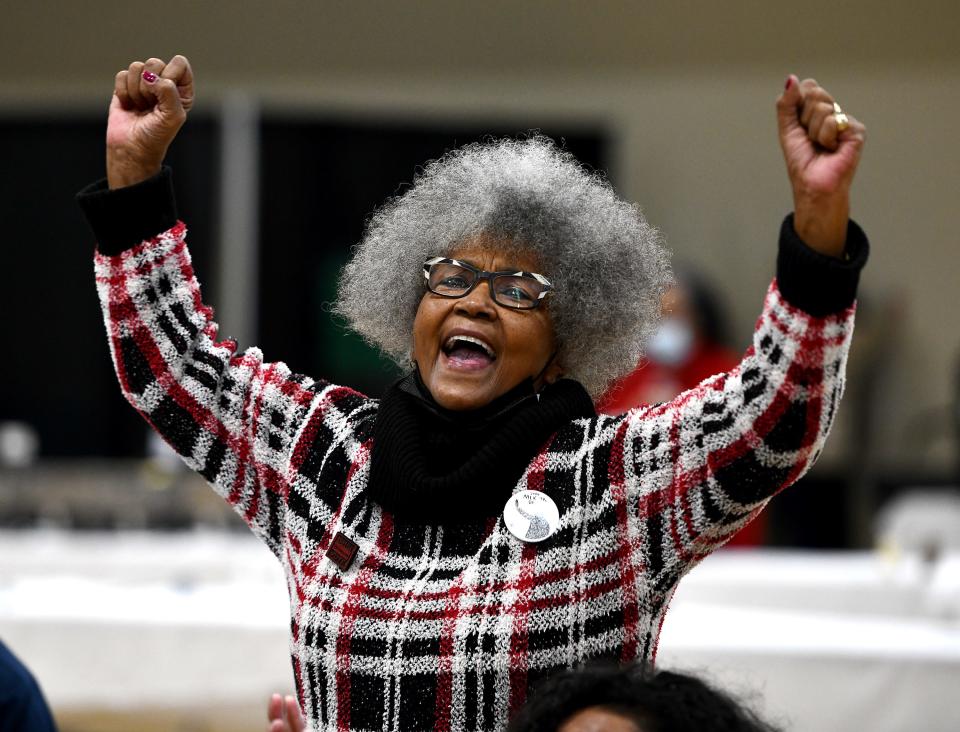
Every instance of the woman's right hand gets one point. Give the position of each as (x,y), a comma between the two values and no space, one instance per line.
(150,104)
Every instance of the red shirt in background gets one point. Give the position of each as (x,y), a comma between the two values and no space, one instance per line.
(653,383)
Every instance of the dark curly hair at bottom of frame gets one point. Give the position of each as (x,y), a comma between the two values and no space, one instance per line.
(654,701)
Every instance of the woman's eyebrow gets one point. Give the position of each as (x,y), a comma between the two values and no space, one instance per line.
(478,267)
(508,268)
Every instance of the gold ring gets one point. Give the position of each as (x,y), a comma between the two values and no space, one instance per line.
(843,122)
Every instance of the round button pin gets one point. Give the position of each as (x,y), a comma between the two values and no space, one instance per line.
(531,516)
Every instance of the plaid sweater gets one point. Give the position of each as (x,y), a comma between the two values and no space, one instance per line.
(447,627)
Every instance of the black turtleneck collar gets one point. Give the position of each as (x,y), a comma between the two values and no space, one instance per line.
(431,464)
(413,385)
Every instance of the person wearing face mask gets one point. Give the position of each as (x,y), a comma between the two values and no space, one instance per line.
(479,527)
(689,346)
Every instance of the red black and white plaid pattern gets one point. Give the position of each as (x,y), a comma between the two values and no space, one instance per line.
(447,627)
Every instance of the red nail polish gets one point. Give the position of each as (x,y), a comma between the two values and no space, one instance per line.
(149,77)
(789,82)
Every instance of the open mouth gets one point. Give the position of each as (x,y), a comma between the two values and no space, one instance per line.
(468,353)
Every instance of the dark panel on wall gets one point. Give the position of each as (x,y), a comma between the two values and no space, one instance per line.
(56,367)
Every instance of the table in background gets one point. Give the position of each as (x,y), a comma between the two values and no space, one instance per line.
(823,641)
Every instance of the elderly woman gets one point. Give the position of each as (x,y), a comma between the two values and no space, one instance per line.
(479,527)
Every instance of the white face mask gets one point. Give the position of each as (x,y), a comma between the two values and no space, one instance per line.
(672,344)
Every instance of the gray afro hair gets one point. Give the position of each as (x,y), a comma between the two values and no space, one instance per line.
(607,264)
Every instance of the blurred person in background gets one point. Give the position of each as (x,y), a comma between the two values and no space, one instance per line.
(689,346)
(631,699)
(438,541)
(22,706)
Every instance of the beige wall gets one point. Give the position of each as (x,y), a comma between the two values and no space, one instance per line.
(686,90)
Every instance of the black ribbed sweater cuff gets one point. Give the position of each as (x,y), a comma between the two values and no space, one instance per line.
(815,283)
(124,217)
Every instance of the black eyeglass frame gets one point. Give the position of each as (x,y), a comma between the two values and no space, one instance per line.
(482,274)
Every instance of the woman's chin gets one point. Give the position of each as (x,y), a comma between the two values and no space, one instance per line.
(462,389)
(460,396)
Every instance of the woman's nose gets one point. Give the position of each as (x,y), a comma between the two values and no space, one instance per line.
(477,303)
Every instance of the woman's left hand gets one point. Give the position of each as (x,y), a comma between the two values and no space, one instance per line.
(821,162)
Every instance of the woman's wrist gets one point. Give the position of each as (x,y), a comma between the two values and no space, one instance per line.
(124,171)
(822,224)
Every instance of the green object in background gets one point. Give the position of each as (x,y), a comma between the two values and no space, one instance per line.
(341,355)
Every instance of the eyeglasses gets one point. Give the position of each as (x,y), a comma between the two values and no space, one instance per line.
(514,290)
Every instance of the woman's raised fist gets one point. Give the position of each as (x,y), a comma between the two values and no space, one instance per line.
(150,104)
(822,156)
